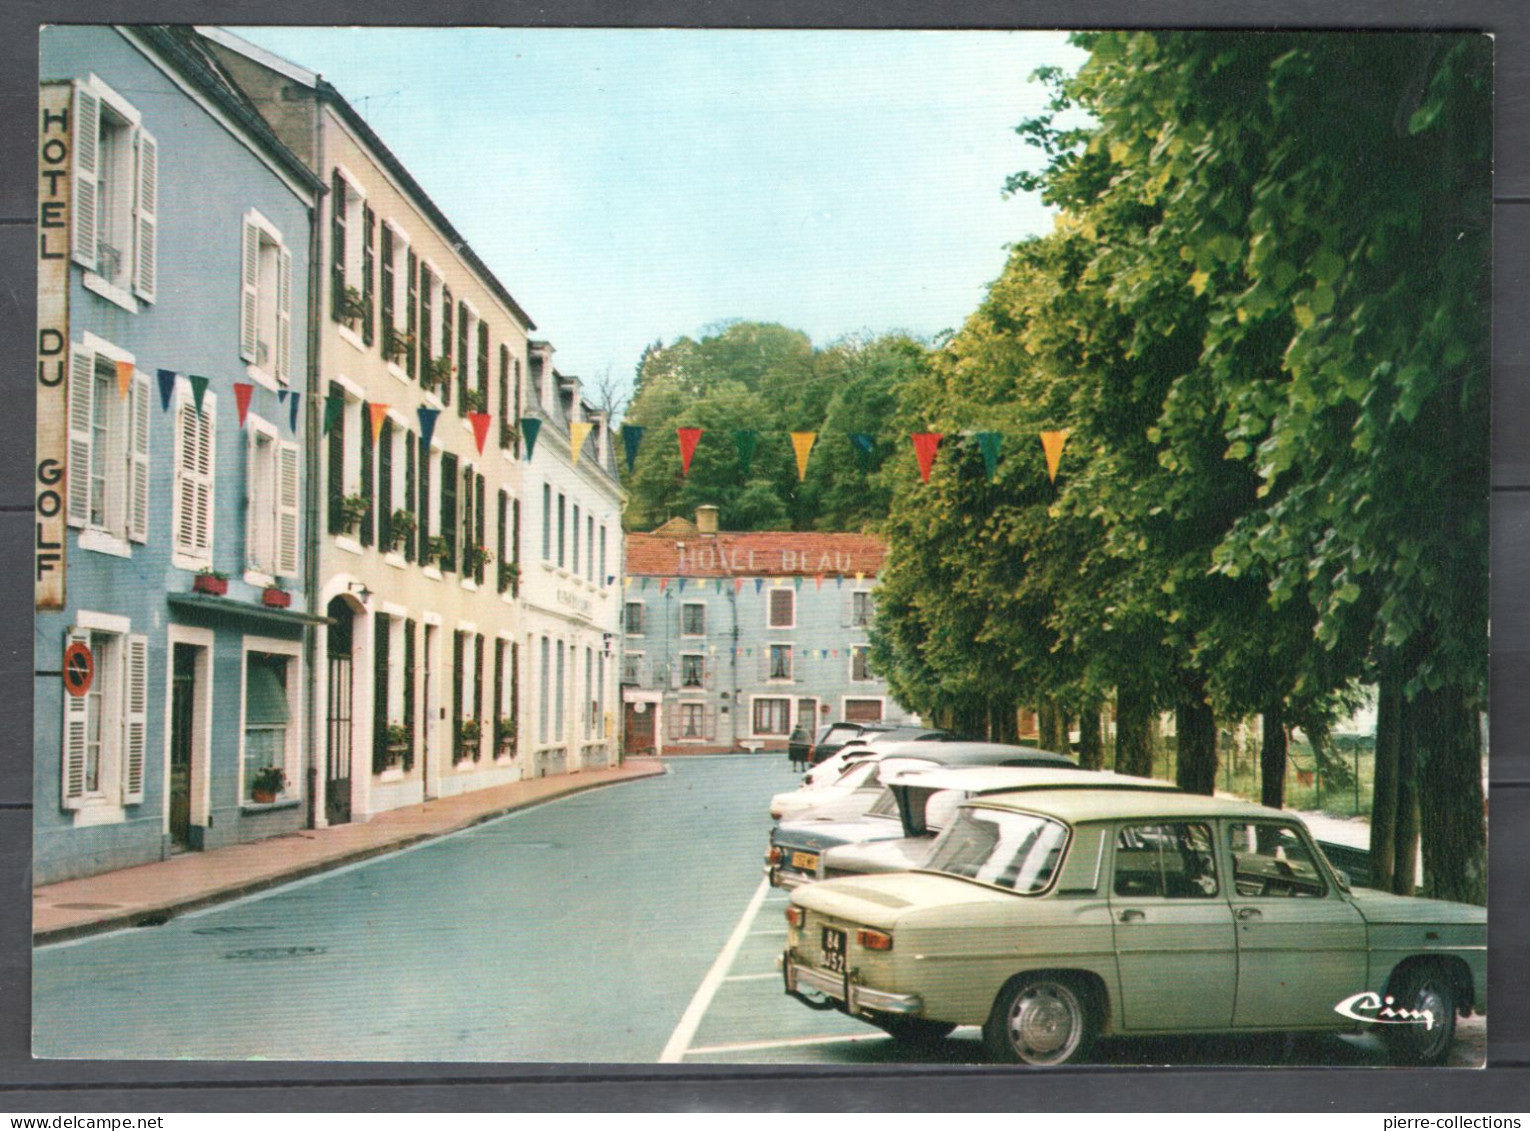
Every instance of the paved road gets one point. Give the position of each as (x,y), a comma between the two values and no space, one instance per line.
(624,924)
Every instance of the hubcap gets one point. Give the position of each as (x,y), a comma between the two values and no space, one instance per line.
(1045,1024)
(1430,997)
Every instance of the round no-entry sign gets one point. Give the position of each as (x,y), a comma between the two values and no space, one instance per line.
(79,669)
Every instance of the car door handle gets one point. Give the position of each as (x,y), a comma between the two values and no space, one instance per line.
(1132,913)
(1250,913)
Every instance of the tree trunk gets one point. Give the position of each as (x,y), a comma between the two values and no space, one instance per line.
(1134,732)
(1384,787)
(1048,719)
(1091,748)
(1405,837)
(1196,765)
(1450,797)
(1272,757)
(1002,725)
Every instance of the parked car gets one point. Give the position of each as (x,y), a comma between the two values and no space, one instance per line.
(867,774)
(1053,917)
(862,746)
(925,802)
(792,855)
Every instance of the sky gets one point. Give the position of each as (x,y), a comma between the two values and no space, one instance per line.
(637,186)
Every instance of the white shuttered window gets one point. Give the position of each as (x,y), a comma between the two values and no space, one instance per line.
(271,503)
(195,458)
(104,753)
(115,175)
(265,308)
(108,473)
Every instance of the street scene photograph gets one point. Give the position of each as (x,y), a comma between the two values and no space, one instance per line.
(708,547)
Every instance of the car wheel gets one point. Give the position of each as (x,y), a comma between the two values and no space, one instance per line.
(1039,1020)
(915,1031)
(1422,988)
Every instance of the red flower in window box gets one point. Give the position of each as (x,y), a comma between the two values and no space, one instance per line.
(213,584)
(276,598)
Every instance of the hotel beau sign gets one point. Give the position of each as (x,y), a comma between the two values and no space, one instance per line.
(53,229)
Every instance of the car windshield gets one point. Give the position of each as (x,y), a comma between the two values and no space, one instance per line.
(886,805)
(1010,850)
(857,774)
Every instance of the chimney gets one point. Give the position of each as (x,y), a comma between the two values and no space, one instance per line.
(706,519)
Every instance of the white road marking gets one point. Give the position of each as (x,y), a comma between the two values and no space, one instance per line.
(751,977)
(754,1046)
(680,1040)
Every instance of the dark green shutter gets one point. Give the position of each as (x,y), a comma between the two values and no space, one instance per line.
(409,711)
(504,396)
(457,651)
(480,537)
(368,270)
(385,487)
(411,312)
(385,299)
(446,342)
(337,467)
(380,693)
(424,499)
(368,487)
(499,545)
(483,365)
(463,376)
(337,249)
(423,336)
(478,690)
(515,543)
(409,489)
(449,510)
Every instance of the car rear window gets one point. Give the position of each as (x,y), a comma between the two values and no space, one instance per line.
(1019,851)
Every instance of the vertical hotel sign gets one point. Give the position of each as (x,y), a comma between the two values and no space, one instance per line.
(53,228)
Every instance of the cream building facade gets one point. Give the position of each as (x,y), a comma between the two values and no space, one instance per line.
(446,665)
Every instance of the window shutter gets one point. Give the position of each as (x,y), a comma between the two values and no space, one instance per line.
(409,712)
(411,303)
(483,364)
(249,302)
(447,512)
(368,487)
(446,343)
(82,385)
(385,487)
(336,484)
(478,713)
(86,158)
(467,516)
(287,502)
(368,270)
(138,460)
(135,724)
(284,316)
(462,358)
(146,216)
(504,396)
(409,490)
(194,481)
(478,529)
(72,759)
(499,545)
(422,512)
(337,248)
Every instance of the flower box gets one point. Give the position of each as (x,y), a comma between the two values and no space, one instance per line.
(275,598)
(210,583)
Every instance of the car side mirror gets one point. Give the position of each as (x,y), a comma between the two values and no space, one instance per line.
(1343,877)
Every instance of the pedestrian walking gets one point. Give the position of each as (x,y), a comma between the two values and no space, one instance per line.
(798,747)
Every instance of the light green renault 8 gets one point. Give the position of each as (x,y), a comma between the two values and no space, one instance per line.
(1052,918)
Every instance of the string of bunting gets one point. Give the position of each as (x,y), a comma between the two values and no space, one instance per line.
(926,447)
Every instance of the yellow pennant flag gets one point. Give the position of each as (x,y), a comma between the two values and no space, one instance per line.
(124,378)
(627,582)
(1052,443)
(379,414)
(577,431)
(802,443)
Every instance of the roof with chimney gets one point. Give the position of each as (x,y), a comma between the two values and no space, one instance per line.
(676,549)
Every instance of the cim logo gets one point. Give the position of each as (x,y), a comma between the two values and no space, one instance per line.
(1372,1007)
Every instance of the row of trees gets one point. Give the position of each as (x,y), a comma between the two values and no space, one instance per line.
(769,380)
(1263,316)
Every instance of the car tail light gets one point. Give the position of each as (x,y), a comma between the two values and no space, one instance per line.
(795,916)
(874,940)
(774,855)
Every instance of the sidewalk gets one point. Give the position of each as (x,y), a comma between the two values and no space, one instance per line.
(153,892)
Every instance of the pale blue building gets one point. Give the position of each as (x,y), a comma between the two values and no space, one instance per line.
(732,640)
(184,226)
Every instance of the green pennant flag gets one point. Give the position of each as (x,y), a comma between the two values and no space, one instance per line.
(988,442)
(744,440)
(530,426)
(334,406)
(198,390)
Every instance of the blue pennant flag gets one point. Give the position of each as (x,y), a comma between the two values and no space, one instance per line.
(759,583)
(427,425)
(166,388)
(632,436)
(292,412)
(281,396)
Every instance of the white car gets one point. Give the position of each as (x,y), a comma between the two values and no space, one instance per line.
(848,795)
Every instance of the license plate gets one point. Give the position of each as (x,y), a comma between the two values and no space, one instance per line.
(805,861)
(834,950)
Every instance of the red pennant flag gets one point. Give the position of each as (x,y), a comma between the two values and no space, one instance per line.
(818,581)
(480,427)
(663,584)
(688,440)
(242,391)
(925,445)
(738,584)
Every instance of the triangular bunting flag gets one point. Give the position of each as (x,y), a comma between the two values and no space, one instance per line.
(627,583)
(802,444)
(124,379)
(823,653)
(663,584)
(839,582)
(166,388)
(281,396)
(242,391)
(738,584)
(988,443)
(198,390)
(644,585)
(632,436)
(744,440)
(480,422)
(379,413)
(292,412)
(797,582)
(759,583)
(681,586)
(859,577)
(530,426)
(925,445)
(578,430)
(1052,443)
(863,444)
(427,424)
(688,439)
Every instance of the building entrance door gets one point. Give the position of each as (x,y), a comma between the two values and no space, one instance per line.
(183,696)
(637,735)
(337,765)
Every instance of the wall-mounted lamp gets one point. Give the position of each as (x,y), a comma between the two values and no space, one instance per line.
(363,594)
